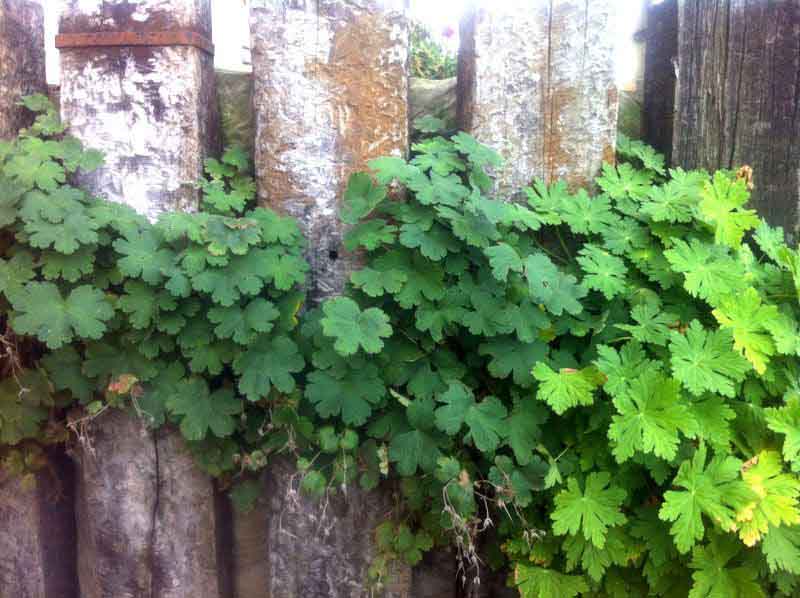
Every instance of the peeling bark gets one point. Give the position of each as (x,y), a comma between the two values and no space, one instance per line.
(146,514)
(738,99)
(536,83)
(21,61)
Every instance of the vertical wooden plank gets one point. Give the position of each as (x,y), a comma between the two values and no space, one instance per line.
(37,531)
(330,93)
(738,96)
(660,66)
(146,514)
(21,60)
(536,83)
(37,534)
(151,110)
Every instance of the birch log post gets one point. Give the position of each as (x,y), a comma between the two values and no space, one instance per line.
(738,97)
(21,60)
(145,513)
(536,83)
(330,93)
(37,530)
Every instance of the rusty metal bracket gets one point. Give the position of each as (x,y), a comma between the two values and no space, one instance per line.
(103,39)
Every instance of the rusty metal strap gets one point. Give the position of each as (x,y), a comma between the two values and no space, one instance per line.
(133,38)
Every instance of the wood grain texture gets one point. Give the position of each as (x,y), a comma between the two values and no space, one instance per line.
(37,533)
(536,83)
(738,98)
(146,513)
(330,93)
(151,110)
(22,70)
(660,66)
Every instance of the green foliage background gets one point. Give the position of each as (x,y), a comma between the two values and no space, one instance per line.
(429,60)
(601,390)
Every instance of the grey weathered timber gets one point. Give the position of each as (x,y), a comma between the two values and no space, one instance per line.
(330,93)
(536,83)
(290,545)
(151,110)
(37,533)
(146,514)
(21,60)
(660,67)
(738,98)
(322,549)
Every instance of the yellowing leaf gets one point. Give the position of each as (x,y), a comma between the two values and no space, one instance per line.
(722,206)
(776,498)
(747,318)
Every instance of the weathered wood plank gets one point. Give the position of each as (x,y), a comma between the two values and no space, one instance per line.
(660,66)
(146,514)
(536,83)
(21,60)
(151,110)
(330,93)
(738,98)
(37,531)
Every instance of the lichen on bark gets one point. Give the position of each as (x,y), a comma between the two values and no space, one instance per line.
(536,83)
(330,93)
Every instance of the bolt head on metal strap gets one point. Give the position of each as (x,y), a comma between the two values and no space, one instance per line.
(102,39)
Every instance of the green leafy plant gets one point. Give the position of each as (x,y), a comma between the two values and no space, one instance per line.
(188,320)
(429,59)
(609,382)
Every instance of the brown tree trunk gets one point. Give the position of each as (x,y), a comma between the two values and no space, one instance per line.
(536,83)
(21,61)
(146,513)
(660,66)
(738,98)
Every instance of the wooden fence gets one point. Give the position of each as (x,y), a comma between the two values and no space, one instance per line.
(135,518)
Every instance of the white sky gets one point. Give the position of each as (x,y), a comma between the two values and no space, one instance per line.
(231,31)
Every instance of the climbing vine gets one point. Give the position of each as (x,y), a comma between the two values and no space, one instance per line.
(599,393)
